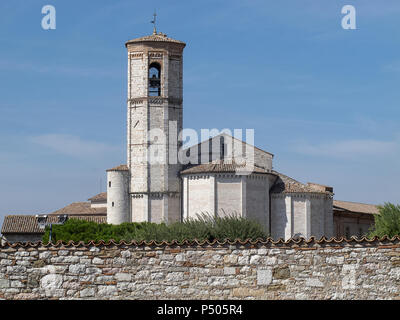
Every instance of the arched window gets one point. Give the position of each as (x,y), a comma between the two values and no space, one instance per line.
(154,80)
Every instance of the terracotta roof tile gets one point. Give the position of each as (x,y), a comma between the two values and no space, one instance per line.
(219,166)
(28,223)
(99,197)
(285,184)
(122,167)
(79,208)
(158,37)
(355,207)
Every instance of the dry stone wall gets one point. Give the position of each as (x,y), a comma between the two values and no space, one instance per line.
(259,270)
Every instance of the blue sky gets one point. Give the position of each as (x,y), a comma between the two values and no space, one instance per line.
(323,100)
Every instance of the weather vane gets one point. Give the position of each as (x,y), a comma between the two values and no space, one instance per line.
(154,22)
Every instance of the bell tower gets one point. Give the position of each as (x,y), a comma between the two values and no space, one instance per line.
(154,120)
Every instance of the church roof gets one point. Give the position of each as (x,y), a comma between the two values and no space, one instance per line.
(223,134)
(355,207)
(158,37)
(80,208)
(220,166)
(28,223)
(285,184)
(122,167)
(99,197)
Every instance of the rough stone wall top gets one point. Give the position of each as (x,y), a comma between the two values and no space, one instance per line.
(270,242)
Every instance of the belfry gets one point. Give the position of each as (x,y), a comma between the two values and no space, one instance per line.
(155,93)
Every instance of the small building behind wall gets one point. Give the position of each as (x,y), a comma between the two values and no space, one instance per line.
(352,218)
(300,210)
(24,228)
(21,228)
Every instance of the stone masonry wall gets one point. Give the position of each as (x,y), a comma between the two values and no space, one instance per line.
(259,270)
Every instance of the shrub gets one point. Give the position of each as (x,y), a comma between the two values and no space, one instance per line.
(233,227)
(204,227)
(81,230)
(387,222)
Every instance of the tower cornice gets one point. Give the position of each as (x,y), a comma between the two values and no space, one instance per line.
(155,100)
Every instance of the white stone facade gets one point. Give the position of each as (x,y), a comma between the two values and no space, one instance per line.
(154,186)
(117,196)
(301,215)
(227,194)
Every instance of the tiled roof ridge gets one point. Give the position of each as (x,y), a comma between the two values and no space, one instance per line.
(287,177)
(356,207)
(79,207)
(121,167)
(355,202)
(99,196)
(381,242)
(221,166)
(292,185)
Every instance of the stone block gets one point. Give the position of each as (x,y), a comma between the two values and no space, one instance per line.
(281,273)
(97,261)
(123,277)
(157,276)
(77,268)
(264,276)
(277,287)
(144,274)
(175,276)
(229,270)
(247,292)
(4,283)
(126,254)
(255,259)
(314,282)
(106,291)
(51,281)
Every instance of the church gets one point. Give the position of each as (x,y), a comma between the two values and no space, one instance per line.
(223,175)
(220,176)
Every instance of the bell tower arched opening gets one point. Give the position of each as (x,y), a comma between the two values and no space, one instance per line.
(154,79)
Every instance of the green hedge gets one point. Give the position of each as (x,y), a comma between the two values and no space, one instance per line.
(203,228)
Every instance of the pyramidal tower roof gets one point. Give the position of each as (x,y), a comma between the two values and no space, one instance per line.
(155,37)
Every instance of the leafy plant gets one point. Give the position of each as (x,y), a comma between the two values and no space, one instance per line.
(204,227)
(81,230)
(387,222)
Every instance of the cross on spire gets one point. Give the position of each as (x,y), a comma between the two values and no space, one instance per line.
(154,22)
